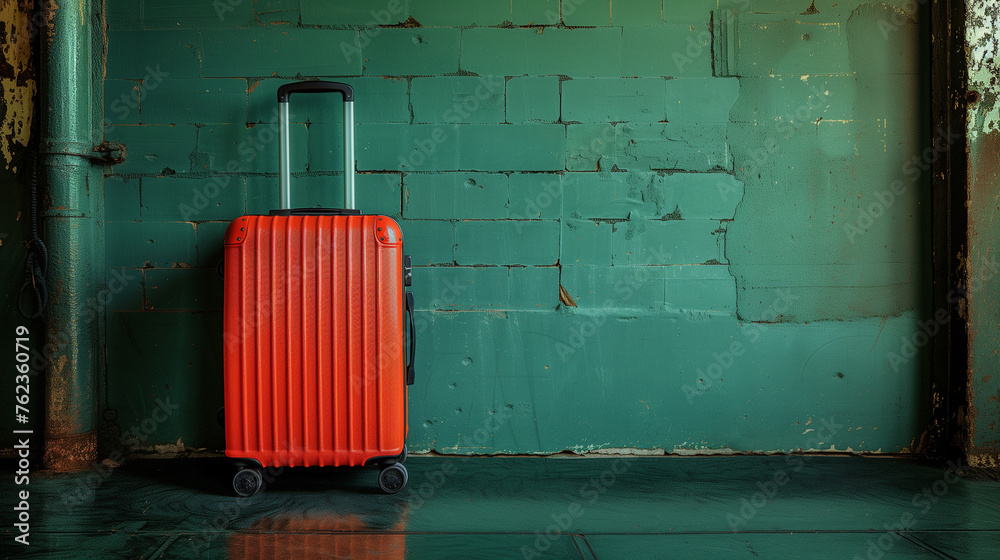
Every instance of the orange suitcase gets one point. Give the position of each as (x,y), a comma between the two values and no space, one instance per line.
(315,352)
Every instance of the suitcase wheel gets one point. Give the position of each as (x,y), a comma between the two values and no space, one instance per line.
(392,479)
(247,482)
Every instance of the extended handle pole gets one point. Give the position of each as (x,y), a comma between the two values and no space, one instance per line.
(284,156)
(284,142)
(349,154)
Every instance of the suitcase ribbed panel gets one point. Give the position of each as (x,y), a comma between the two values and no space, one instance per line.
(313,341)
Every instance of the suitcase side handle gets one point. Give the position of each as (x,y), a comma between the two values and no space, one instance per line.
(413,340)
(284,146)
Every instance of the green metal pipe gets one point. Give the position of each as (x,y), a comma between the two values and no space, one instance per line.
(72,212)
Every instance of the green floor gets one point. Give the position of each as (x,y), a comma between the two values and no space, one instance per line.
(561,507)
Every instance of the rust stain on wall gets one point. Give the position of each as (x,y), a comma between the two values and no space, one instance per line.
(17,77)
(60,389)
(983,59)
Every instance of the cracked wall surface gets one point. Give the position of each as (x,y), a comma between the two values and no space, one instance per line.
(629,221)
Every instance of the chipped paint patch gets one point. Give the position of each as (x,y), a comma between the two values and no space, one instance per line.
(16,78)
(177,447)
(628,451)
(688,451)
(983,47)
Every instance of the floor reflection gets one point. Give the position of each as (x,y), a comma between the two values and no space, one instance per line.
(321,536)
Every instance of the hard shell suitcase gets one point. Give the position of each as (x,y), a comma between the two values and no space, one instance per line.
(315,352)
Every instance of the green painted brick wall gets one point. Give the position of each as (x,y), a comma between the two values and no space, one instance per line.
(445,196)
(636,223)
(533,99)
(466,99)
(614,99)
(409,52)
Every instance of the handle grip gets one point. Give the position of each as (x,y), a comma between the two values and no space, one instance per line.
(413,339)
(286,91)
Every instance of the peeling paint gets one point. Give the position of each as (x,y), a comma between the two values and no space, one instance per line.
(17,78)
(177,447)
(565,298)
(690,451)
(983,44)
(628,451)
(983,315)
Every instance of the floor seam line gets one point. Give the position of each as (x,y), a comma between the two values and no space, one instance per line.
(590,548)
(920,542)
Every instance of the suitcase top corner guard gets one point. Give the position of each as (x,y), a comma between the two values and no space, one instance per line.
(387,231)
(236,232)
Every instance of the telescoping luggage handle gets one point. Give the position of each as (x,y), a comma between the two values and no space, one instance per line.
(284,155)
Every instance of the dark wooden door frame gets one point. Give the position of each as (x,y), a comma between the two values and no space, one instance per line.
(949,349)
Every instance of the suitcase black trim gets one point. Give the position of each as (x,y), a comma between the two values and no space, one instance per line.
(316,212)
